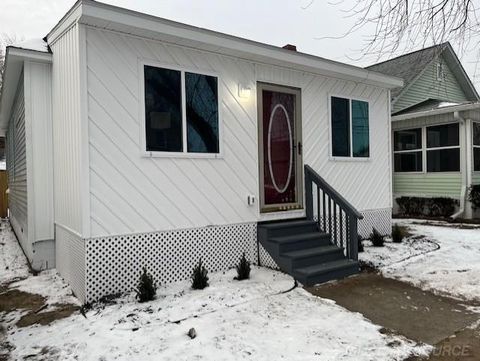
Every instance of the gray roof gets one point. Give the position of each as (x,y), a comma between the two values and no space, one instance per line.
(408,66)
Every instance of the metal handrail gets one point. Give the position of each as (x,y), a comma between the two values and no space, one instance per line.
(331,209)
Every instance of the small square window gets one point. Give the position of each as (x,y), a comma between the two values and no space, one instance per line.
(350,128)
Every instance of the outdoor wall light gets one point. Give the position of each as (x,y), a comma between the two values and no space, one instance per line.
(244,91)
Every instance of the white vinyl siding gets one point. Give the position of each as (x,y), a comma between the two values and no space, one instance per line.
(38,120)
(130,193)
(67,130)
(17,169)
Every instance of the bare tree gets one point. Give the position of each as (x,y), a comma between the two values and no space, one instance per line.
(395,25)
(5,40)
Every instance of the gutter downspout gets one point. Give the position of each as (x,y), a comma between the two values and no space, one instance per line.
(465,165)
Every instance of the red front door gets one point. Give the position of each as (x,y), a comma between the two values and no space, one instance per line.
(280,148)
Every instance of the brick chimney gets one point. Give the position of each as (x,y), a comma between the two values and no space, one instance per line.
(290,47)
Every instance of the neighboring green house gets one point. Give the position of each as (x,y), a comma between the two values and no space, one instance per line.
(436,127)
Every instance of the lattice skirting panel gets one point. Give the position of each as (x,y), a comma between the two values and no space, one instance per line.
(265,259)
(114,264)
(70,259)
(381,219)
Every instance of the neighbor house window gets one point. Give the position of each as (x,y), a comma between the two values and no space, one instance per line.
(440,72)
(350,128)
(408,150)
(181,111)
(443,148)
(476,146)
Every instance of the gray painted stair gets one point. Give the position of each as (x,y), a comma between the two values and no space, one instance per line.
(304,252)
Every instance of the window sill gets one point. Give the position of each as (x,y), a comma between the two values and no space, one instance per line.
(182,155)
(350,159)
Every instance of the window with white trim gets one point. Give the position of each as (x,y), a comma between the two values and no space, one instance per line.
(443,148)
(476,146)
(438,146)
(350,128)
(181,111)
(408,154)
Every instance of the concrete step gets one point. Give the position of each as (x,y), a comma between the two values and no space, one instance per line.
(324,272)
(301,241)
(313,256)
(287,228)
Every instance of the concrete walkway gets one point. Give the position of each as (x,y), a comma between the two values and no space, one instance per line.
(410,311)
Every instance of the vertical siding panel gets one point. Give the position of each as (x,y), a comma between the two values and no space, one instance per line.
(67,130)
(67,143)
(17,169)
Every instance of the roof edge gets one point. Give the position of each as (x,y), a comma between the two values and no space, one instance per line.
(111,17)
(444,110)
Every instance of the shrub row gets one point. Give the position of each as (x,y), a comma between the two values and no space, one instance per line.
(430,207)
(474,196)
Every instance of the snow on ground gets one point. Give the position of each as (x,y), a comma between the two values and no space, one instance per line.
(452,269)
(49,285)
(410,247)
(14,271)
(259,319)
(12,260)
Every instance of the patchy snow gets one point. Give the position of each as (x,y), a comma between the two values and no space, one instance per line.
(452,269)
(391,253)
(258,319)
(49,285)
(12,260)
(32,44)
(14,271)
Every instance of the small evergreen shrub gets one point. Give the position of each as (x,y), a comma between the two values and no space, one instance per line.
(146,288)
(376,238)
(199,276)
(397,233)
(474,196)
(243,269)
(360,244)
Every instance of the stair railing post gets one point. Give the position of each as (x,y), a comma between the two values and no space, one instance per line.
(308,195)
(353,238)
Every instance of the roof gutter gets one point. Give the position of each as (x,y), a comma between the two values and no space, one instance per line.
(445,110)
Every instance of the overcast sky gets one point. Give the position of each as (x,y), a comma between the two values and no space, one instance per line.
(276,22)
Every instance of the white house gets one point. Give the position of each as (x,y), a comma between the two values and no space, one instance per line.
(134,140)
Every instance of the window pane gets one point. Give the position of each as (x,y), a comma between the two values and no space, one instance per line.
(340,127)
(476,159)
(201,95)
(408,139)
(443,160)
(476,133)
(360,129)
(408,162)
(442,136)
(163,114)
